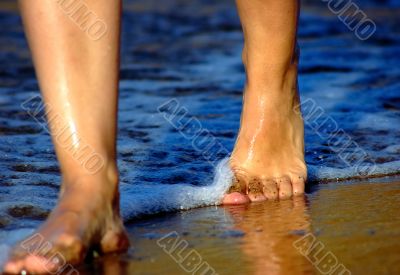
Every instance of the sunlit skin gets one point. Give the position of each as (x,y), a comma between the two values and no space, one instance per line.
(268,158)
(78,79)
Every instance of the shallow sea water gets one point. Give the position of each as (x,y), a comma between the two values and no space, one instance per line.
(189,54)
(357,223)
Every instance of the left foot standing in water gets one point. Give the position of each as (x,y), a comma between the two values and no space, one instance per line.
(268,158)
(78,78)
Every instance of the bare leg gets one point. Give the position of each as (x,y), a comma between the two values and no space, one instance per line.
(78,77)
(268,158)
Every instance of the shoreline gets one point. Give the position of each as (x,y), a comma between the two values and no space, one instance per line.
(261,236)
(349,219)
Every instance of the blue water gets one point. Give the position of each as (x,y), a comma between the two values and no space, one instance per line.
(190,53)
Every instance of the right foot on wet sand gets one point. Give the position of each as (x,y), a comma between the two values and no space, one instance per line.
(268,158)
(86,216)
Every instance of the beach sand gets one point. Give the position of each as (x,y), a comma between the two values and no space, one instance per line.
(353,227)
(357,222)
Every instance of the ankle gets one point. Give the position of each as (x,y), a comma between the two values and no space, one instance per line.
(107,174)
(270,76)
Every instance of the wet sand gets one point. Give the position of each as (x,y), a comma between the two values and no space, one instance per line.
(357,222)
(349,227)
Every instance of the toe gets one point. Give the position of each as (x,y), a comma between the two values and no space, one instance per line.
(298,185)
(69,248)
(40,264)
(270,189)
(235,198)
(255,190)
(15,262)
(237,192)
(285,187)
(13,266)
(239,184)
(114,241)
(46,261)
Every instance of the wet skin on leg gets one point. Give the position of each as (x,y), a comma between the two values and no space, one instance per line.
(78,78)
(268,157)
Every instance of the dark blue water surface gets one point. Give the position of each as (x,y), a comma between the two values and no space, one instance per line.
(188,53)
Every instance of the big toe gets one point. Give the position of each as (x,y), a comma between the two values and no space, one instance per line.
(237,192)
(235,198)
(34,264)
(16,258)
(13,266)
(40,264)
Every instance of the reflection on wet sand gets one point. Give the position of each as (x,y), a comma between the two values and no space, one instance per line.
(270,230)
(249,239)
(356,222)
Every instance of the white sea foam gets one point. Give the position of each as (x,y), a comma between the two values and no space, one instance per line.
(316,173)
(150,199)
(146,199)
(153,198)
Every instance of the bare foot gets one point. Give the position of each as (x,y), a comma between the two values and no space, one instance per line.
(268,158)
(86,216)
